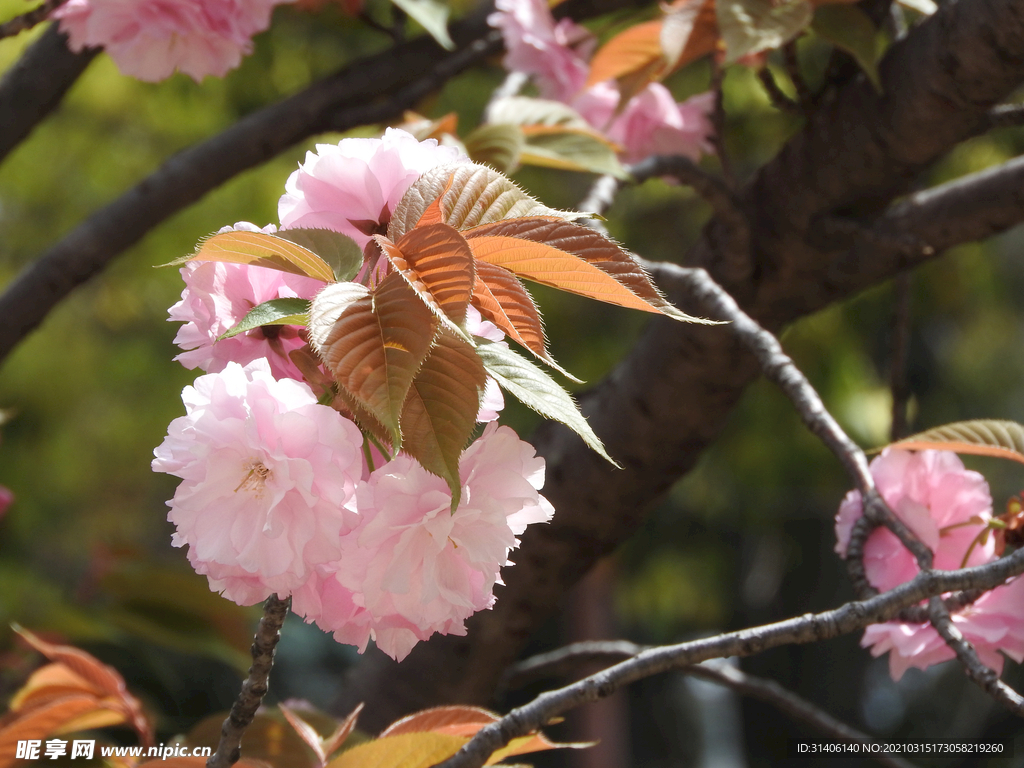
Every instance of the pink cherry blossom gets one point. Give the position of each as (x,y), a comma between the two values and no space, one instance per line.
(536,45)
(931,492)
(412,567)
(946,506)
(217,296)
(993,623)
(652,123)
(267,480)
(6,499)
(352,187)
(150,39)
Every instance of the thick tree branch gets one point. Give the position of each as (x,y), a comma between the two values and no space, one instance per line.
(35,85)
(809,628)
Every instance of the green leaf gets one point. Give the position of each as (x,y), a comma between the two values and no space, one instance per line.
(469,194)
(525,110)
(340,251)
(497,145)
(571,149)
(849,28)
(373,343)
(440,412)
(273,312)
(432,16)
(538,391)
(752,26)
(980,437)
(260,250)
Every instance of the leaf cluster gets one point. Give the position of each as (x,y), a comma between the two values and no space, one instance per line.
(395,344)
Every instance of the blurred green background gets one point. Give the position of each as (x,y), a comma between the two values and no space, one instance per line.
(85,550)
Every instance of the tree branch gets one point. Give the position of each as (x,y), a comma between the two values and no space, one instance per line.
(29,19)
(747,642)
(229,749)
(35,85)
(567,660)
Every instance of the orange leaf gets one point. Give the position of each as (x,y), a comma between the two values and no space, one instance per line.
(570,257)
(305,731)
(501,298)
(534,742)
(342,732)
(105,679)
(439,719)
(52,681)
(373,344)
(436,261)
(40,722)
(637,48)
(440,412)
(409,750)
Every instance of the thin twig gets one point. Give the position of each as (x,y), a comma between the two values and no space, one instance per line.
(899,386)
(985,677)
(795,706)
(718,123)
(29,19)
(255,686)
(804,97)
(808,628)
(779,368)
(778,97)
(567,660)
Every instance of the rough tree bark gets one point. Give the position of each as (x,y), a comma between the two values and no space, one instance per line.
(669,398)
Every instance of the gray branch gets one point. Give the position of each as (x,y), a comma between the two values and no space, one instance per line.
(567,660)
(808,628)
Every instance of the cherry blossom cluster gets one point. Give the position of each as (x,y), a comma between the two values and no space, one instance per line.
(281,494)
(556,54)
(150,39)
(949,508)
